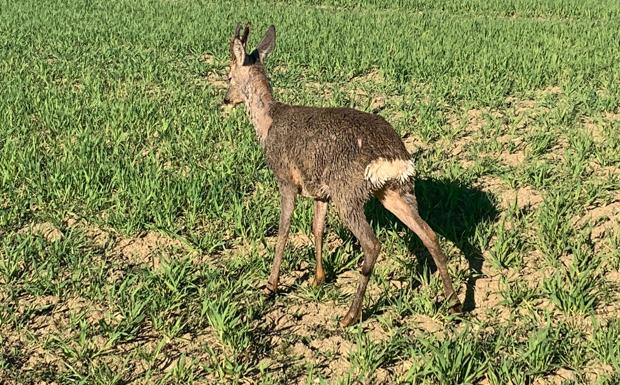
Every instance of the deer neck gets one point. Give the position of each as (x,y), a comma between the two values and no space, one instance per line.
(258,105)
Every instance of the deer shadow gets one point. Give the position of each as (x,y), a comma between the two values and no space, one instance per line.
(454,211)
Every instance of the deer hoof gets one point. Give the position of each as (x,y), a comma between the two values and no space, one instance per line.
(349,320)
(268,289)
(317,281)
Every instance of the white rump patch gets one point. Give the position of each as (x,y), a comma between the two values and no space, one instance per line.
(380,170)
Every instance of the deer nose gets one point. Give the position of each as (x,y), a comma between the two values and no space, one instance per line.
(226,100)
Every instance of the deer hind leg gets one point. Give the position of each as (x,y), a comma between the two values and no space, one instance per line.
(318,226)
(287,204)
(405,207)
(355,220)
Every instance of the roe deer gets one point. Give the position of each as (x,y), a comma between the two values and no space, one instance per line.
(337,155)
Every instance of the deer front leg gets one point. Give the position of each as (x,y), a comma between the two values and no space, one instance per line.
(318,226)
(287,204)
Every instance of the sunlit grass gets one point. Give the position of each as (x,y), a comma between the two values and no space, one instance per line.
(137,218)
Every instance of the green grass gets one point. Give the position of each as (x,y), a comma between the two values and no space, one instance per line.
(137,218)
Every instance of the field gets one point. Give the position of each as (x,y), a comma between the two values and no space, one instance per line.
(138,217)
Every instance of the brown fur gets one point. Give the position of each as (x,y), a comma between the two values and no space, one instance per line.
(320,144)
(337,155)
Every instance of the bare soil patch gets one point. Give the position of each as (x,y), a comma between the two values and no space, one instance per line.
(208,58)
(521,106)
(374,76)
(49,319)
(427,324)
(594,129)
(604,219)
(551,90)
(514,159)
(612,116)
(313,326)
(97,235)
(414,144)
(146,248)
(487,297)
(46,230)
(561,376)
(216,80)
(523,197)
(469,121)
(325,90)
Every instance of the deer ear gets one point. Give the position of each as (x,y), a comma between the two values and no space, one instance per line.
(246,32)
(267,44)
(238,51)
